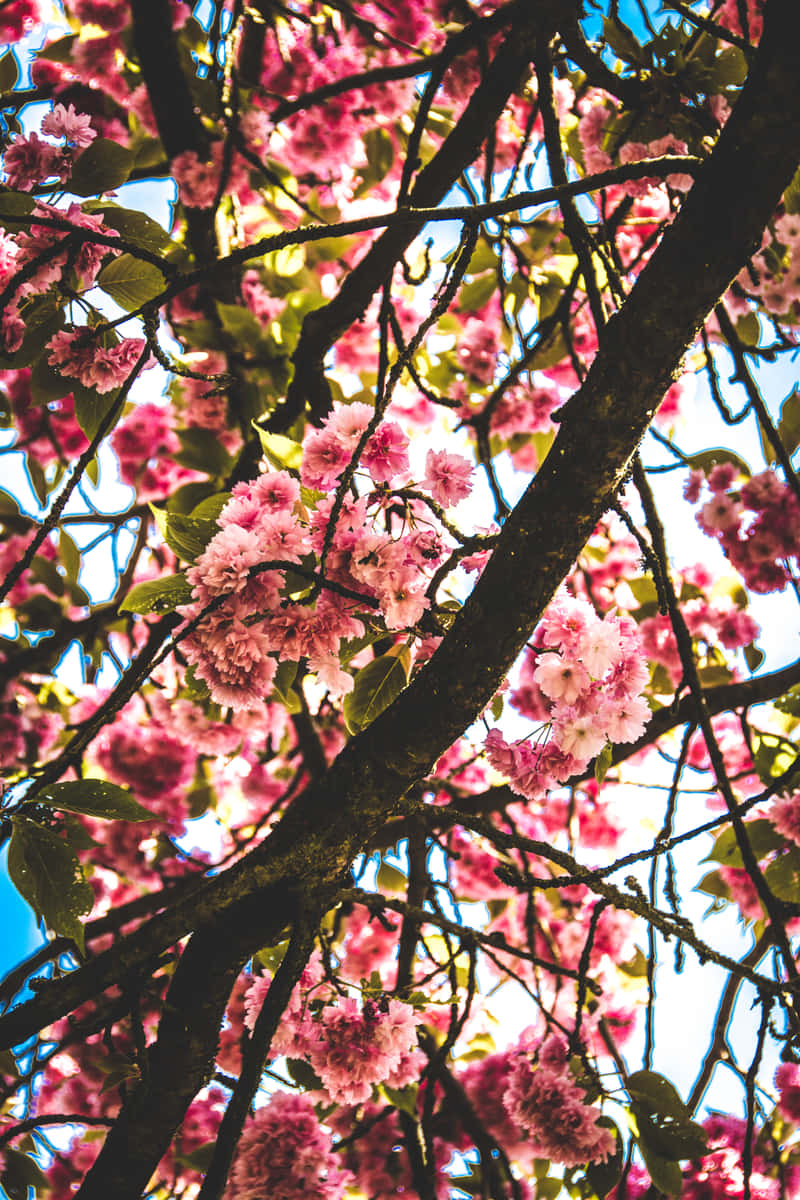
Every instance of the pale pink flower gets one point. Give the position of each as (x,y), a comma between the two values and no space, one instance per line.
(348,422)
(29,161)
(386,453)
(355,1048)
(560,678)
(328,671)
(598,646)
(787,1081)
(625,721)
(784,813)
(582,737)
(75,127)
(402,607)
(447,477)
(324,459)
(226,562)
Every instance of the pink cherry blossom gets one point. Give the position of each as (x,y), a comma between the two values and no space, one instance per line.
(75,128)
(284,1153)
(447,477)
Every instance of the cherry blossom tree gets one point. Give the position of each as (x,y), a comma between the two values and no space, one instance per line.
(398,604)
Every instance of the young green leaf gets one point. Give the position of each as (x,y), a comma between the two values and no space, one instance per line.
(375,687)
(157,595)
(102,166)
(94,798)
(130,282)
(46,872)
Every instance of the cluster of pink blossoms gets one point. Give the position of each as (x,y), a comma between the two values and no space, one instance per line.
(351,1046)
(75,353)
(29,160)
(40,245)
(529,1100)
(283,1153)
(757,524)
(381,551)
(590,674)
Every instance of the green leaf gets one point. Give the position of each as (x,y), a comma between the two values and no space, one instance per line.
(43,319)
(379,148)
(9,72)
(748,329)
(186,536)
(70,555)
(635,967)
(242,325)
(774,756)
(783,876)
(91,409)
(21,1172)
(656,1094)
(789,423)
(199,1159)
(665,1175)
(15,204)
(390,878)
(59,50)
(477,293)
(374,689)
(47,384)
(280,452)
(753,656)
(714,885)
(46,872)
(137,227)
(761,834)
(201,450)
(102,167)
(130,282)
(729,69)
(791,197)
(548,1188)
(304,1074)
(282,686)
(94,798)
(708,459)
(157,595)
(403,1098)
(603,1176)
(620,39)
(210,507)
(603,762)
(671,1139)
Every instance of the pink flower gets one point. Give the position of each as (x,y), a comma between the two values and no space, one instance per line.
(561,679)
(547,1102)
(386,453)
(784,813)
(324,459)
(76,128)
(283,1153)
(581,737)
(29,161)
(353,1048)
(625,721)
(81,358)
(787,1081)
(447,477)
